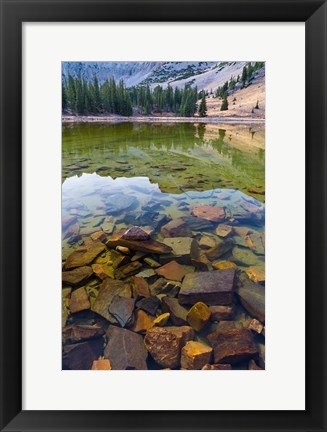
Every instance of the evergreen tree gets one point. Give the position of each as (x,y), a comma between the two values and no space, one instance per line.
(224,105)
(203,107)
(64,98)
(244,75)
(71,93)
(257,105)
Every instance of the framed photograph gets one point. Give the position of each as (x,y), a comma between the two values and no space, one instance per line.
(163,215)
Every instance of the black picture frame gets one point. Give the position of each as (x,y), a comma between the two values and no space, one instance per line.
(13,14)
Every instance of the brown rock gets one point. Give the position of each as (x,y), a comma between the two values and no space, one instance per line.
(180,247)
(176,228)
(84,255)
(178,313)
(78,332)
(172,271)
(221,313)
(217,367)
(256,326)
(162,286)
(72,231)
(195,355)
(127,270)
(233,346)
(76,276)
(68,220)
(212,288)
(79,300)
(108,289)
(241,231)
(161,320)
(255,274)
(80,356)
(252,298)
(140,287)
(150,246)
(103,271)
(224,230)
(221,247)
(223,265)
(121,308)
(142,322)
(118,259)
(253,366)
(213,214)
(101,364)
(198,316)
(256,243)
(124,250)
(199,258)
(255,190)
(125,349)
(165,344)
(135,233)
(151,262)
(149,304)
(99,236)
(207,242)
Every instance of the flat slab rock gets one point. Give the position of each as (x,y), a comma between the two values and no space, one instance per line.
(212,288)
(172,271)
(165,344)
(252,297)
(84,255)
(125,349)
(150,246)
(76,276)
(212,214)
(122,309)
(176,228)
(195,355)
(233,346)
(80,356)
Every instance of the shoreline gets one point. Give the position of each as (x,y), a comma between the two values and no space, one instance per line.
(153,119)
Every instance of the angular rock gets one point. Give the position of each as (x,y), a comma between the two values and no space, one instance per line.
(196,223)
(127,270)
(224,230)
(68,220)
(124,250)
(176,228)
(256,243)
(79,300)
(226,325)
(151,262)
(125,349)
(212,214)
(121,308)
(180,247)
(118,259)
(108,289)
(161,320)
(140,287)
(198,316)
(72,230)
(221,313)
(255,274)
(221,247)
(241,231)
(172,271)
(150,246)
(101,364)
(147,274)
(149,304)
(162,286)
(217,367)
(195,355)
(178,313)
(103,271)
(233,346)
(120,202)
(80,356)
(253,366)
(256,326)
(165,344)
(223,265)
(252,298)
(207,242)
(135,233)
(76,276)
(78,332)
(212,288)
(244,257)
(138,256)
(199,258)
(99,236)
(142,322)
(84,255)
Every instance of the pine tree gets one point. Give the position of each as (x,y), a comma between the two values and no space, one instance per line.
(203,107)
(71,93)
(224,105)
(244,75)
(257,105)
(64,98)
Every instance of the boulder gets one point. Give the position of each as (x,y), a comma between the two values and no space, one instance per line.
(178,313)
(212,214)
(195,355)
(125,349)
(233,346)
(198,316)
(172,271)
(121,308)
(108,289)
(80,356)
(176,228)
(212,288)
(84,255)
(76,276)
(165,344)
(79,300)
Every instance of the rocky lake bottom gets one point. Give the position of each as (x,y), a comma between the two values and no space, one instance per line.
(163,247)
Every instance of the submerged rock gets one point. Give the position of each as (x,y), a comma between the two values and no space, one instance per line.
(217,367)
(149,304)
(198,316)
(122,309)
(212,214)
(224,230)
(103,271)
(76,276)
(120,202)
(68,220)
(135,233)
(78,332)
(233,346)
(212,288)
(176,228)
(125,349)
(162,286)
(195,355)
(253,366)
(99,236)
(244,256)
(150,246)
(84,255)
(79,300)
(197,224)
(101,364)
(127,270)
(256,326)
(256,243)
(165,344)
(180,247)
(223,265)
(172,271)
(140,287)
(255,274)
(178,313)
(220,248)
(221,313)
(80,356)
(252,298)
(161,320)
(142,322)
